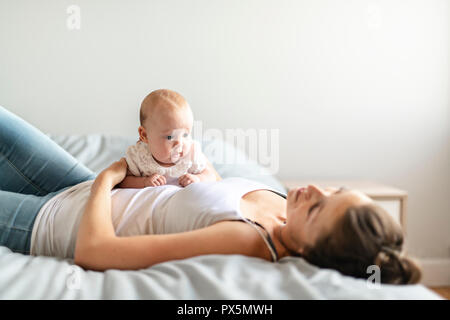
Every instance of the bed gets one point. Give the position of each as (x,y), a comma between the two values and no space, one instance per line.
(203,277)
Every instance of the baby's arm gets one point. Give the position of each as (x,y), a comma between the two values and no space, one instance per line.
(134,182)
(208,174)
(134,178)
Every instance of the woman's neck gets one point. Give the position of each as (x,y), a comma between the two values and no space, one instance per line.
(269,209)
(285,244)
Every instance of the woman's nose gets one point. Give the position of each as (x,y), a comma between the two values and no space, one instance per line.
(315,191)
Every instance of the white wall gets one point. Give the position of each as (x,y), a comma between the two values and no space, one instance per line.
(358,89)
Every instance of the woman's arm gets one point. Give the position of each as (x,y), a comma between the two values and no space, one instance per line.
(98,247)
(96,223)
(138,252)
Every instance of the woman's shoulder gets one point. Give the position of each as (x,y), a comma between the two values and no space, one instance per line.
(240,237)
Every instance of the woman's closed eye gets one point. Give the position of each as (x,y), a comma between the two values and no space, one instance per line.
(319,203)
(314,206)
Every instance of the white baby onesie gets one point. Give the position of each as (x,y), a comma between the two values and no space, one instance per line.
(142,164)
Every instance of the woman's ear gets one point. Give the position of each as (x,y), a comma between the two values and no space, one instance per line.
(143,134)
(300,251)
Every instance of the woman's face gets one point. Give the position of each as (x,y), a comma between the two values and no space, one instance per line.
(312,212)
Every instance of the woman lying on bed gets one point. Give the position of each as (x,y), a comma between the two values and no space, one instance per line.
(52,205)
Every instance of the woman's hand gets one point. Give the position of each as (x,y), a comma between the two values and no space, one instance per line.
(115,173)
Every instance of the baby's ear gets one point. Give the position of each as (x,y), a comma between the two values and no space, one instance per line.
(142,134)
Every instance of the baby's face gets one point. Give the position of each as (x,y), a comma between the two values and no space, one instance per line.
(169,135)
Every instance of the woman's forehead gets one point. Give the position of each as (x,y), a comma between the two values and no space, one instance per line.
(338,203)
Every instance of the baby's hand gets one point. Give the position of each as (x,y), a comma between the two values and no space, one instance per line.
(155,180)
(187,179)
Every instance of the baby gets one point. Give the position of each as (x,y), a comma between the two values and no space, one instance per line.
(165,152)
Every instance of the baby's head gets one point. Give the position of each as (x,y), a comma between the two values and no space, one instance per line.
(166,123)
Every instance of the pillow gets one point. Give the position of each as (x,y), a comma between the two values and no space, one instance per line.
(97,151)
(232,162)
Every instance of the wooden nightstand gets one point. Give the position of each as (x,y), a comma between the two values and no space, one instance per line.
(393,200)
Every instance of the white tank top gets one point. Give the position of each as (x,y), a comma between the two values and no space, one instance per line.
(152,210)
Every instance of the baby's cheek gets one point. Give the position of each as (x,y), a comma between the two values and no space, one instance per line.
(161,152)
(167,153)
(187,148)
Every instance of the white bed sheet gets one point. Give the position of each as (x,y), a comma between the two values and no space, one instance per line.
(203,277)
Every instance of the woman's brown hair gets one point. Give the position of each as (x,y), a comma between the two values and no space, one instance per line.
(366,235)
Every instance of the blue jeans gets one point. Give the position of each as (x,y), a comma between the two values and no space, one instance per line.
(33,169)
